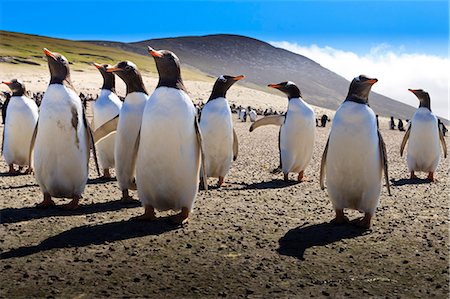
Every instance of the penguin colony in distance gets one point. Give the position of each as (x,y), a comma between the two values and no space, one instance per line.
(216,125)
(297,131)
(424,135)
(162,149)
(355,156)
(20,121)
(105,108)
(62,138)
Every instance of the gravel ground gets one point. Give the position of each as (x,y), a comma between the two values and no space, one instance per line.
(258,237)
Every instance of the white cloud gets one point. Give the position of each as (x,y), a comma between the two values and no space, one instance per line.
(396,71)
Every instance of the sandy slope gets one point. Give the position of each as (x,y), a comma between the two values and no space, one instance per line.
(257,237)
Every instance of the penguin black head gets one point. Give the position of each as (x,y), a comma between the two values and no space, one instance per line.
(222,84)
(129,73)
(360,88)
(423,97)
(109,81)
(16,86)
(289,88)
(168,66)
(59,68)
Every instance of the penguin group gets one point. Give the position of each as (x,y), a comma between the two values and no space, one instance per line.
(160,145)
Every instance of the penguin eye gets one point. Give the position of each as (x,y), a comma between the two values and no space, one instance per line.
(128,68)
(222,78)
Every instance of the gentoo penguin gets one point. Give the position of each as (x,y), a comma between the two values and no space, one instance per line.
(423,152)
(128,124)
(62,138)
(20,122)
(169,155)
(220,139)
(297,132)
(355,156)
(105,108)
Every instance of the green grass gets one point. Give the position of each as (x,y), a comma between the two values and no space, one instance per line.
(80,54)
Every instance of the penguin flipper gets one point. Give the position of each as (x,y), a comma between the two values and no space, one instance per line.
(90,142)
(405,139)
(106,129)
(384,162)
(276,120)
(235,145)
(202,153)
(322,165)
(33,139)
(443,143)
(3,139)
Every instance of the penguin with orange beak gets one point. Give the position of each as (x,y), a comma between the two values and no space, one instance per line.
(297,131)
(355,158)
(62,139)
(423,153)
(105,108)
(170,147)
(220,139)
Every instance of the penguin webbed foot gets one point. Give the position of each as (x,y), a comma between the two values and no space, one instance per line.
(46,203)
(73,204)
(340,218)
(181,218)
(149,215)
(363,222)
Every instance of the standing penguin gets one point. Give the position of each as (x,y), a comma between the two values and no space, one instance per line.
(20,122)
(297,132)
(169,155)
(128,124)
(216,125)
(423,132)
(355,156)
(62,138)
(105,108)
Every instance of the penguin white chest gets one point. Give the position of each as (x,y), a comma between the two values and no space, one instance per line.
(217,130)
(168,161)
(297,136)
(353,167)
(126,138)
(105,108)
(61,151)
(423,153)
(20,122)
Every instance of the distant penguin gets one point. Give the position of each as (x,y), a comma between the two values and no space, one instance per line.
(127,126)
(20,122)
(169,155)
(105,108)
(354,158)
(62,138)
(253,115)
(220,139)
(297,132)
(423,152)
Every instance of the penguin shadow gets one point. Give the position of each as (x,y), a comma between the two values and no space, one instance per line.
(9,174)
(100,180)
(94,235)
(273,184)
(19,187)
(417,181)
(296,241)
(14,215)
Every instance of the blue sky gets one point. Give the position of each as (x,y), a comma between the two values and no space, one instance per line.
(402,43)
(421,26)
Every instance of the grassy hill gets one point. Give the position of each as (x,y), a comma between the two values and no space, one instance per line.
(18,48)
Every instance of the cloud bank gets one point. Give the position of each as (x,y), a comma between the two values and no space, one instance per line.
(396,71)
